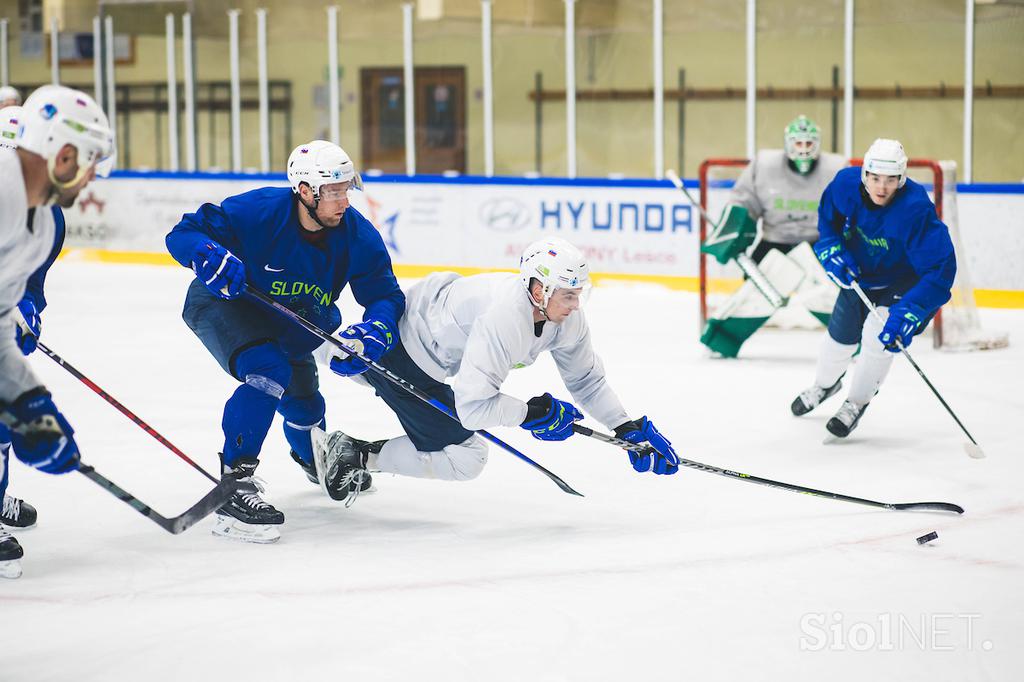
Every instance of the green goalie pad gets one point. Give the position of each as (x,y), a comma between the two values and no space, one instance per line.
(735,233)
(747,310)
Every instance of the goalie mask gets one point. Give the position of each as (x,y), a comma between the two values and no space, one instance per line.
(885,157)
(556,264)
(802,141)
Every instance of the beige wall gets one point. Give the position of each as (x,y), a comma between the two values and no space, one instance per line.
(912,43)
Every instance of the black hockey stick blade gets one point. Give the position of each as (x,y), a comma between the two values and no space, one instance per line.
(929,506)
(176,524)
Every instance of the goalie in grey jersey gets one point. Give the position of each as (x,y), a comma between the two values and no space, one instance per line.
(782,188)
(475,330)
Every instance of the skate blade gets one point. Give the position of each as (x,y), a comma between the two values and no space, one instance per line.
(10,569)
(233,529)
(830,439)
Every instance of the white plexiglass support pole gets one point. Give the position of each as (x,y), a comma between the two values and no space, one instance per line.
(848,80)
(97,63)
(968,170)
(54,51)
(261,62)
(659,90)
(172,95)
(108,38)
(570,88)
(751,78)
(5,68)
(333,88)
(410,89)
(190,93)
(236,94)
(488,64)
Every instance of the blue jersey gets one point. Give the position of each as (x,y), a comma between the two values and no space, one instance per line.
(262,229)
(902,245)
(34,286)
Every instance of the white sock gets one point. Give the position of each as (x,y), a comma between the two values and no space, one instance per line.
(454,463)
(833,359)
(873,364)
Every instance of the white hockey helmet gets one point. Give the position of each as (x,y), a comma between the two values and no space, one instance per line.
(556,264)
(10,94)
(10,121)
(54,116)
(885,157)
(319,163)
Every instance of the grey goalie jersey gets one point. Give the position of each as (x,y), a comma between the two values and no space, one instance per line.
(786,200)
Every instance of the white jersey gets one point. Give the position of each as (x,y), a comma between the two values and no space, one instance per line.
(788,201)
(24,248)
(479,328)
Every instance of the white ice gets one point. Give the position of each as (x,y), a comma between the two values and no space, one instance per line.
(505,577)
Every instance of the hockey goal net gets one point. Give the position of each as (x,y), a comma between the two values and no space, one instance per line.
(955,327)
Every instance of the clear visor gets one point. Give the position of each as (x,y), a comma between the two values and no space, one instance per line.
(338,190)
(571,298)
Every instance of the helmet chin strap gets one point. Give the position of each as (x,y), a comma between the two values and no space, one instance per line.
(56,185)
(312,211)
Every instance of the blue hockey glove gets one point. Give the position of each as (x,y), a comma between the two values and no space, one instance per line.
(904,320)
(839,264)
(548,418)
(219,270)
(661,458)
(27,325)
(371,338)
(41,436)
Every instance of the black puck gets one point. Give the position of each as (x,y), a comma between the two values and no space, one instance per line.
(928,537)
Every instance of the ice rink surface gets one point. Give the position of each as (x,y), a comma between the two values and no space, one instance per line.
(690,577)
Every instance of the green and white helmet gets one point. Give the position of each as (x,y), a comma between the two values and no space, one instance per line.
(802,129)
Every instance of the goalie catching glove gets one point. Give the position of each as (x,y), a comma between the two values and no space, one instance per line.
(660,457)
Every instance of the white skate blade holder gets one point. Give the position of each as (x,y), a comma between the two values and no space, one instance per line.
(10,569)
(233,529)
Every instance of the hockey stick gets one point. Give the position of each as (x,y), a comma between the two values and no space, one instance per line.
(398,381)
(745,262)
(972,448)
(122,409)
(898,506)
(176,524)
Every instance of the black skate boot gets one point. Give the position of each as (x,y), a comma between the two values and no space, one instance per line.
(814,396)
(10,556)
(308,469)
(846,419)
(17,513)
(247,516)
(341,464)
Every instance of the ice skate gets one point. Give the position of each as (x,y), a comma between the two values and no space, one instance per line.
(814,396)
(308,469)
(341,464)
(17,513)
(10,556)
(846,419)
(247,516)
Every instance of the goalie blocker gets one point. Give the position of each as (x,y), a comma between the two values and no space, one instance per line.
(795,278)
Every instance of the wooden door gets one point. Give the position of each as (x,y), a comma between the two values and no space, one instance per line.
(440,113)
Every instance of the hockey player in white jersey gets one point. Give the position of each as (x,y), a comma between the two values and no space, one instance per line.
(475,330)
(63,141)
(9,97)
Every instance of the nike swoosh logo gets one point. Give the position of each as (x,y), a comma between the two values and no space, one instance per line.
(270,269)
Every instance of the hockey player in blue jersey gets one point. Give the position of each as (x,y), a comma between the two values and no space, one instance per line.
(879,229)
(301,246)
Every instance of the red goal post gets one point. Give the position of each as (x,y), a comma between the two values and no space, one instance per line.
(709,164)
